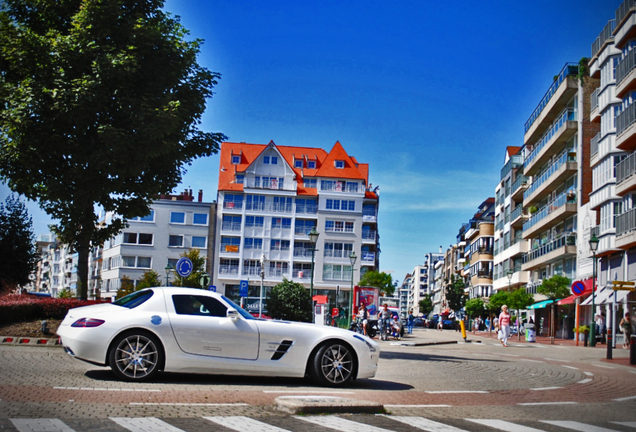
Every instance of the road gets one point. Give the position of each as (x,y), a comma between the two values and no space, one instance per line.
(454,384)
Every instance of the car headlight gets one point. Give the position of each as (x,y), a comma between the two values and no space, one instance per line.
(371,347)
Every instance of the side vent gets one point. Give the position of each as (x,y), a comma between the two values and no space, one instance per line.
(282,349)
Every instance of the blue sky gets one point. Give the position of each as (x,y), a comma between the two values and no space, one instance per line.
(429,93)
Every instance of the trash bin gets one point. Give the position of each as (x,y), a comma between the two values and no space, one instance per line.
(531,334)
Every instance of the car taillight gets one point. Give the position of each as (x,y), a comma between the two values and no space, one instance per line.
(87,322)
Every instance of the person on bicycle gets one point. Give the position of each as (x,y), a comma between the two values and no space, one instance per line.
(385,317)
(363,316)
(396,327)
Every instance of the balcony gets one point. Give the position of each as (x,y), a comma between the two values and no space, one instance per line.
(306,209)
(623,10)
(560,170)
(626,129)
(271,184)
(605,36)
(369,236)
(368,257)
(561,130)
(519,187)
(561,247)
(518,217)
(231,226)
(229,270)
(595,114)
(551,214)
(302,253)
(594,148)
(626,74)
(513,163)
(625,175)
(626,229)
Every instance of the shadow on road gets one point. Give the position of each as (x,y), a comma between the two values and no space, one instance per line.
(394,355)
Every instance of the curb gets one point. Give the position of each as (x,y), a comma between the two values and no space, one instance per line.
(30,341)
(423,343)
(326,405)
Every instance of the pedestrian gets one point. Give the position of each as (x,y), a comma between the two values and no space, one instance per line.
(504,325)
(600,326)
(626,327)
(363,316)
(385,317)
(411,322)
(487,322)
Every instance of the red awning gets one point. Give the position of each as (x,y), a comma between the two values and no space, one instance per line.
(320,299)
(568,300)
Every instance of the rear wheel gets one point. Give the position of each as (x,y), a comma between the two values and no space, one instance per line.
(333,365)
(135,356)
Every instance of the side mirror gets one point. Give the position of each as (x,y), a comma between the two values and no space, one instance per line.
(233,313)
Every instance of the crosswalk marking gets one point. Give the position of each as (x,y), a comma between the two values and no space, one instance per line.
(577,426)
(341,424)
(425,424)
(504,425)
(40,425)
(242,423)
(145,424)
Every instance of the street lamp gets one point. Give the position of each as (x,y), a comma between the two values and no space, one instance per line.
(313,238)
(167,269)
(352,260)
(593,248)
(260,304)
(509,273)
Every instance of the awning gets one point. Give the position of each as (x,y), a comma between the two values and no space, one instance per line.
(588,286)
(605,296)
(540,305)
(321,299)
(568,300)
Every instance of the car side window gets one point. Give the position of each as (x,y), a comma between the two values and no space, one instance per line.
(198,305)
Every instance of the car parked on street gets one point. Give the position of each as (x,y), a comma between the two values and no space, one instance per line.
(195,331)
(446,323)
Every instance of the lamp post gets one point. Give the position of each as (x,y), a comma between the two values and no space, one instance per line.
(313,238)
(260,303)
(593,248)
(352,260)
(509,273)
(167,269)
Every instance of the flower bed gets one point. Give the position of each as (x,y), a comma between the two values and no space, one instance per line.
(20,308)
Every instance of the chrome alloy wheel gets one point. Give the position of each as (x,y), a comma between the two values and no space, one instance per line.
(336,364)
(136,357)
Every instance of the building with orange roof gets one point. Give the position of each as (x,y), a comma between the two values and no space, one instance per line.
(269,199)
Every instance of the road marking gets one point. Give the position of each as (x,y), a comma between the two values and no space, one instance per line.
(504,425)
(242,423)
(559,360)
(585,381)
(603,366)
(309,392)
(571,367)
(417,406)
(628,424)
(547,403)
(546,388)
(33,425)
(625,399)
(106,389)
(534,361)
(341,424)
(186,404)
(145,424)
(456,391)
(588,373)
(580,427)
(424,424)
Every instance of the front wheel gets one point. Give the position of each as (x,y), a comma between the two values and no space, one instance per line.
(135,356)
(333,365)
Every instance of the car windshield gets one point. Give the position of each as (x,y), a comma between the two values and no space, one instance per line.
(240,310)
(135,299)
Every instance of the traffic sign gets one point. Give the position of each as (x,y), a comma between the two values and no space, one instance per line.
(212,288)
(184,267)
(243,288)
(577,288)
(204,280)
(624,285)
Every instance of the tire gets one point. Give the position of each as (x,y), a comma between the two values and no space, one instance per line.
(371,332)
(334,365)
(136,356)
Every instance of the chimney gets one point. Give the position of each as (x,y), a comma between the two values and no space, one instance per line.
(200,195)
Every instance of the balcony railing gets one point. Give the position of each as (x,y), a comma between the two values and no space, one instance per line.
(369,235)
(277,272)
(484,274)
(514,162)
(546,210)
(626,222)
(272,184)
(563,239)
(229,270)
(624,9)
(594,144)
(301,252)
(565,157)
(568,69)
(251,271)
(625,66)
(568,114)
(306,209)
(626,168)
(605,35)
(625,119)
(231,226)
(594,99)
(520,181)
(518,211)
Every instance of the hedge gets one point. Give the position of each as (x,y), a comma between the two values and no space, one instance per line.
(21,308)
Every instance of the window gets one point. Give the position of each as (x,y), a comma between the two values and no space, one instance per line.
(352,187)
(346,205)
(231,223)
(199,242)
(254,221)
(310,182)
(230,244)
(143,262)
(251,267)
(280,245)
(339,164)
(240,178)
(231,201)
(333,204)
(311,164)
(198,305)
(326,185)
(253,243)
(255,202)
(282,204)
(339,226)
(236,159)
(338,250)
(336,272)
(128,261)
(278,268)
(266,160)
(283,223)
(177,217)
(303,226)
(175,241)
(298,163)
(306,205)
(200,219)
(144,239)
(130,238)
(149,218)
(274,160)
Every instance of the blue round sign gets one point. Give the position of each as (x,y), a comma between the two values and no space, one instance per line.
(578,287)
(184,267)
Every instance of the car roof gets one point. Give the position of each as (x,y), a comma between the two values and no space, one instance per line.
(179,290)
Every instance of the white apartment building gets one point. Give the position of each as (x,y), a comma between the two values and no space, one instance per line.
(434,280)
(57,268)
(270,197)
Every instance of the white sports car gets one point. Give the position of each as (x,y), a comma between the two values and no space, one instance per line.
(191,330)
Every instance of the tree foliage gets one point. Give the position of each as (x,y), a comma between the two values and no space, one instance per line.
(474,307)
(17,244)
(455,293)
(149,279)
(198,268)
(289,301)
(381,280)
(426,305)
(101,102)
(520,299)
(554,288)
(127,287)
(497,300)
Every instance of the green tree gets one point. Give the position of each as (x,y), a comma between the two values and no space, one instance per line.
(17,244)
(101,102)
(455,293)
(289,301)
(474,307)
(426,305)
(496,301)
(554,288)
(127,287)
(520,299)
(381,280)
(149,279)
(198,268)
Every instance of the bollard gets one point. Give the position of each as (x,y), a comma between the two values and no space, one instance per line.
(632,350)
(585,338)
(463,327)
(609,343)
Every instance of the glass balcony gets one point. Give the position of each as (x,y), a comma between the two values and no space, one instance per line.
(306,209)
(546,210)
(566,156)
(520,181)
(229,270)
(563,239)
(624,9)
(514,162)
(369,235)
(568,114)
(606,34)
(231,226)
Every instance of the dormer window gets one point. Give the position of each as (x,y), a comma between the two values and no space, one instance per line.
(339,164)
(236,159)
(274,160)
(298,163)
(266,160)
(311,164)
(240,178)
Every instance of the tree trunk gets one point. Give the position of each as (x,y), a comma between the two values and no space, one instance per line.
(552,324)
(83,250)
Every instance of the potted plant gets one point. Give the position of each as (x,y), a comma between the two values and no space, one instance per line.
(532,209)
(583,332)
